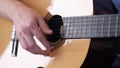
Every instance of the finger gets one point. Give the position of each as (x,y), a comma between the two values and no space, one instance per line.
(43,25)
(33,47)
(40,36)
(22,41)
(28,44)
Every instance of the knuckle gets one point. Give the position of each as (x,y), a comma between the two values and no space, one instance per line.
(26,48)
(31,46)
(29,24)
(40,38)
(21,31)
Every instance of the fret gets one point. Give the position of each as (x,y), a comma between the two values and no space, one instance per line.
(88,27)
(113,25)
(102,27)
(99,25)
(83,26)
(67,30)
(74,27)
(118,26)
(66,27)
(109,25)
(70,28)
(105,26)
(94,27)
(79,25)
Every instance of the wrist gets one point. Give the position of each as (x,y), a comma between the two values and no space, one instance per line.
(6,8)
(14,8)
(19,10)
(10,8)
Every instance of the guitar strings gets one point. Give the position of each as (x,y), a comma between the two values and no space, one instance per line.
(88,17)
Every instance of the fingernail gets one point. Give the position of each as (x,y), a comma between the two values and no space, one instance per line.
(50,31)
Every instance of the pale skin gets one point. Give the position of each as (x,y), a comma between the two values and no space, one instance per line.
(28,23)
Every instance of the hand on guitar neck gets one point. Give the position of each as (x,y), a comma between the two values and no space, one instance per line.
(28,23)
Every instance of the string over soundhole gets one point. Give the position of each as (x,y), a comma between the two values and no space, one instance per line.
(55,23)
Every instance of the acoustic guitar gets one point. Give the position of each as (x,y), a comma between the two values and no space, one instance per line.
(78,26)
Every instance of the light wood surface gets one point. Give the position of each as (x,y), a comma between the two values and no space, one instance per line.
(70,55)
(5,34)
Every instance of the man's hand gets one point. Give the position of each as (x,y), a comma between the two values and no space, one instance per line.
(28,23)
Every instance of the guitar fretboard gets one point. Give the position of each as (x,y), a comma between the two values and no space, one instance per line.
(96,26)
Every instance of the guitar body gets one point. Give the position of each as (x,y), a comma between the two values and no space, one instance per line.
(70,55)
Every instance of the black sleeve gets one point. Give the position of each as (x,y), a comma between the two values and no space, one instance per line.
(102,51)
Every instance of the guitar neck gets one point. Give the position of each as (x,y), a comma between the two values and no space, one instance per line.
(96,26)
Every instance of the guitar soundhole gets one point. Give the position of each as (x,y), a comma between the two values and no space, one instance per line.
(55,23)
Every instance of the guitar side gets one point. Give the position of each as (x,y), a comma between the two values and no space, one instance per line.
(73,52)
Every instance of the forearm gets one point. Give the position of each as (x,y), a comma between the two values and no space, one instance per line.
(8,8)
